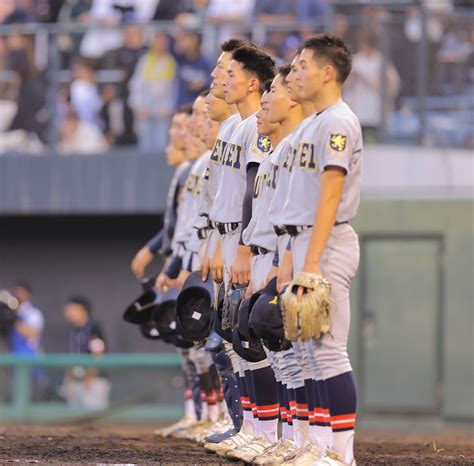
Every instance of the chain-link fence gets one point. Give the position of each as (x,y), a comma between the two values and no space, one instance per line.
(80,86)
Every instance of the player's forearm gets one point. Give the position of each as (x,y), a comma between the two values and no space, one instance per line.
(325,217)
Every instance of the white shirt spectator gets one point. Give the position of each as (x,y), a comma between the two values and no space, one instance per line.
(33,317)
(86,100)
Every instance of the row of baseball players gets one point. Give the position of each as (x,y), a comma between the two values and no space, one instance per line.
(270,167)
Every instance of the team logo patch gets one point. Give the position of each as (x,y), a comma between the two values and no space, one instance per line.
(263,143)
(338,142)
(274,300)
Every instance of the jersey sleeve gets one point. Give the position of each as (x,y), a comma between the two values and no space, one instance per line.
(257,147)
(336,144)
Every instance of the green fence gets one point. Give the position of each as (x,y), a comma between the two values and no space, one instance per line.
(22,408)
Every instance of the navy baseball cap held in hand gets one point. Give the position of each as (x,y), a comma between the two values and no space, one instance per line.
(164,312)
(245,343)
(194,307)
(266,319)
(142,308)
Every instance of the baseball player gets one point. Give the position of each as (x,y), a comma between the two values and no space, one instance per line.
(286,115)
(326,173)
(175,154)
(231,211)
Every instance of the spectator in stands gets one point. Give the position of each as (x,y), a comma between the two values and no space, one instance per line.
(168,10)
(84,387)
(193,69)
(311,11)
(31,88)
(80,137)
(85,98)
(25,338)
(269,11)
(125,59)
(370,102)
(453,56)
(153,94)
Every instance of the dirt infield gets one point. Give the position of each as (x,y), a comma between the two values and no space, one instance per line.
(94,443)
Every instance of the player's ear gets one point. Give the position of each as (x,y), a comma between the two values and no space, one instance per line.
(254,85)
(329,73)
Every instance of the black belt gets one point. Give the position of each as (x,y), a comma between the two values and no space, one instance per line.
(293,230)
(202,233)
(211,224)
(224,228)
(257,250)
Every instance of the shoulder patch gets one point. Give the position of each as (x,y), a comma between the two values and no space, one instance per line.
(263,143)
(338,142)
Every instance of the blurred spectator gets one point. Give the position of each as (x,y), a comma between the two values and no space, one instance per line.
(193,69)
(225,11)
(269,11)
(84,387)
(125,59)
(364,87)
(168,10)
(453,56)
(76,11)
(153,94)
(18,11)
(25,339)
(85,98)
(31,88)
(110,13)
(311,10)
(81,137)
(111,114)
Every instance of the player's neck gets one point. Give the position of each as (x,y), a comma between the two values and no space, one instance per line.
(295,117)
(307,108)
(326,98)
(276,137)
(249,105)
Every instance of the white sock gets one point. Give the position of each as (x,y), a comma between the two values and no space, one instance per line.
(204,411)
(300,432)
(286,431)
(248,426)
(189,409)
(268,429)
(343,444)
(213,412)
(320,437)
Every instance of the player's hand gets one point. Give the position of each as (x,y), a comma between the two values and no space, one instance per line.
(161,281)
(183,275)
(217,264)
(140,262)
(249,291)
(285,271)
(310,268)
(205,266)
(240,270)
(271,274)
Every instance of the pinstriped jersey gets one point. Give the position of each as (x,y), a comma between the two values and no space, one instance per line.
(334,138)
(211,180)
(242,147)
(284,162)
(259,231)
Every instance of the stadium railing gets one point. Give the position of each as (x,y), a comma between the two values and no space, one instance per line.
(23,409)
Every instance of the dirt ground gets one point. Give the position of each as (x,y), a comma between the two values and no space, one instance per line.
(112,443)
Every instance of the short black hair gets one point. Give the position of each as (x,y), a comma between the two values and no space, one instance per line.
(333,49)
(184,108)
(284,70)
(233,44)
(255,61)
(81,301)
(267,85)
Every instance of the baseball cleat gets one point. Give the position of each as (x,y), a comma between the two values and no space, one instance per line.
(183,423)
(306,456)
(249,451)
(276,453)
(238,440)
(220,437)
(331,458)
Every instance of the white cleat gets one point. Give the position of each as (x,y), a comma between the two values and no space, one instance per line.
(331,458)
(236,441)
(276,453)
(183,423)
(251,450)
(306,456)
(195,432)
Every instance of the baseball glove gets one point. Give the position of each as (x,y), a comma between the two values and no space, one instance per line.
(310,318)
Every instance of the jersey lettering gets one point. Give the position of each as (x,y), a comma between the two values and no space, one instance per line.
(231,156)
(307,158)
